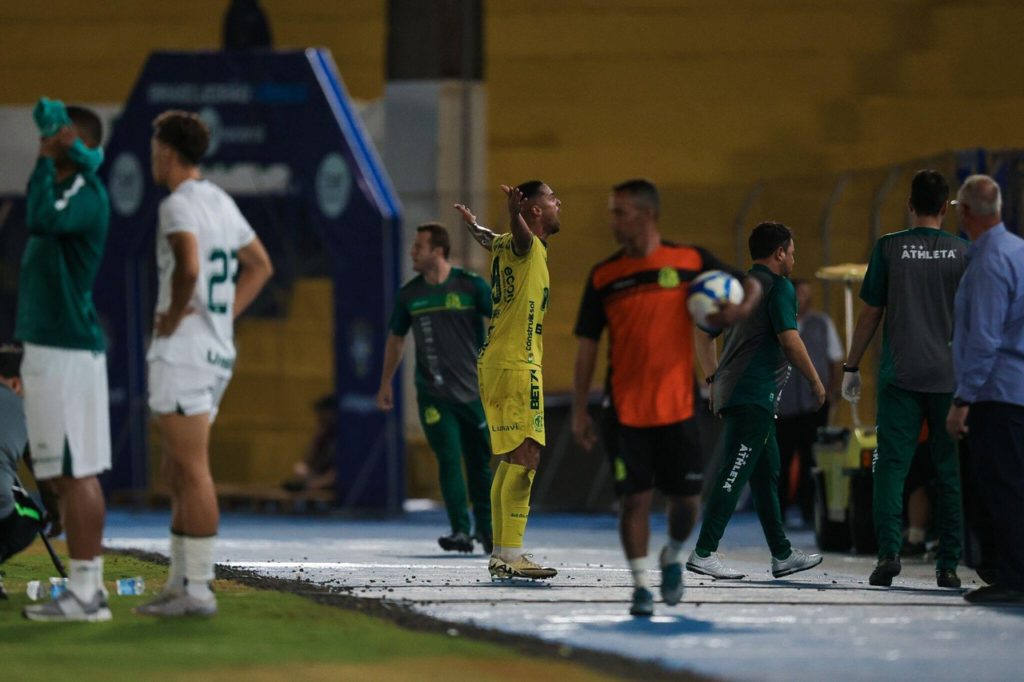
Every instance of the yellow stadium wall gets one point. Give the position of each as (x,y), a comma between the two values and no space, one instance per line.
(704,98)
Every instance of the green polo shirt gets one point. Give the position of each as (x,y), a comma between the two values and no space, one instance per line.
(754,368)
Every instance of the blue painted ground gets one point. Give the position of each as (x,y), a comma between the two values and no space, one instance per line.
(827,623)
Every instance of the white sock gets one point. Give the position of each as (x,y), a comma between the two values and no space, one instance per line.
(638,567)
(671,552)
(915,536)
(176,576)
(199,566)
(99,575)
(82,578)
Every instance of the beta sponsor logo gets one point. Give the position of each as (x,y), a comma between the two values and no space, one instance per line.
(741,459)
(534,390)
(919,252)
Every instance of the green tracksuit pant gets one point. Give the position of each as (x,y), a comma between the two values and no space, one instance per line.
(749,452)
(900,413)
(457,432)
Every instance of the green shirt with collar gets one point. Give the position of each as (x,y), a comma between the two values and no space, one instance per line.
(754,368)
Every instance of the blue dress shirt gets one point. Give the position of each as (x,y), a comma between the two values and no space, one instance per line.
(988,325)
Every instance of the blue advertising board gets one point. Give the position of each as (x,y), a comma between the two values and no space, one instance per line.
(287,144)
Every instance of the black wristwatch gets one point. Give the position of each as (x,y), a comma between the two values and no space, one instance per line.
(959,402)
(709,379)
(847,368)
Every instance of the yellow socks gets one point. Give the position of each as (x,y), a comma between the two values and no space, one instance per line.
(496,517)
(515,504)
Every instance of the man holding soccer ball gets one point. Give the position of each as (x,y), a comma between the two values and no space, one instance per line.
(650,433)
(745,391)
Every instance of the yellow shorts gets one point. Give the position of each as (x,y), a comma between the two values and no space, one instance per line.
(513,402)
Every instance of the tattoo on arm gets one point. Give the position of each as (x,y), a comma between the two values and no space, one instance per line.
(482,235)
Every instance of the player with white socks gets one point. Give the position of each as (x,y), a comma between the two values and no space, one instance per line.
(211,267)
(64,371)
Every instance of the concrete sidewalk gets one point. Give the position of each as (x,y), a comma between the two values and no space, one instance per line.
(826,623)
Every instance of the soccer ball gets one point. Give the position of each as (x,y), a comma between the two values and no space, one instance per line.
(707,291)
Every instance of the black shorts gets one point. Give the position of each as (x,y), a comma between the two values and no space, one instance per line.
(664,457)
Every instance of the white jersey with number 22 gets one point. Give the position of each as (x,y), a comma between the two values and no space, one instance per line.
(205,338)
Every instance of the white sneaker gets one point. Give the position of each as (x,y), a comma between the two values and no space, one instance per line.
(797,561)
(175,604)
(67,607)
(711,565)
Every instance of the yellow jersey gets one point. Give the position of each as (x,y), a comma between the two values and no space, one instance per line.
(519,292)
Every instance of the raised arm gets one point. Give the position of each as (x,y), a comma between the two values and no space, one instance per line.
(481,234)
(522,237)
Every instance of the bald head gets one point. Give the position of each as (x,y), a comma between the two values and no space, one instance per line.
(981,194)
(979,204)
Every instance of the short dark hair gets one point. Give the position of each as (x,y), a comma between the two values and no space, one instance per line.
(530,189)
(929,192)
(10,360)
(184,132)
(767,237)
(89,125)
(643,192)
(439,238)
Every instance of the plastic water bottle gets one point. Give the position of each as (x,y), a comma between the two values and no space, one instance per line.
(58,586)
(128,587)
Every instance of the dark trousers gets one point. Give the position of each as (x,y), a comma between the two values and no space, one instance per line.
(749,453)
(996,439)
(796,436)
(900,413)
(457,433)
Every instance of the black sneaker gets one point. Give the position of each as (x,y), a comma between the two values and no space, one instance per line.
(887,568)
(946,577)
(486,540)
(988,574)
(456,542)
(995,594)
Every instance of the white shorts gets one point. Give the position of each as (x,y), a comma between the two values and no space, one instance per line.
(185,390)
(67,411)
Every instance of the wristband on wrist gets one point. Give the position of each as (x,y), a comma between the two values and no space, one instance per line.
(710,379)
(847,368)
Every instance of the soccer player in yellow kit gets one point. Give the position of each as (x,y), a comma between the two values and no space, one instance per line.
(509,366)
